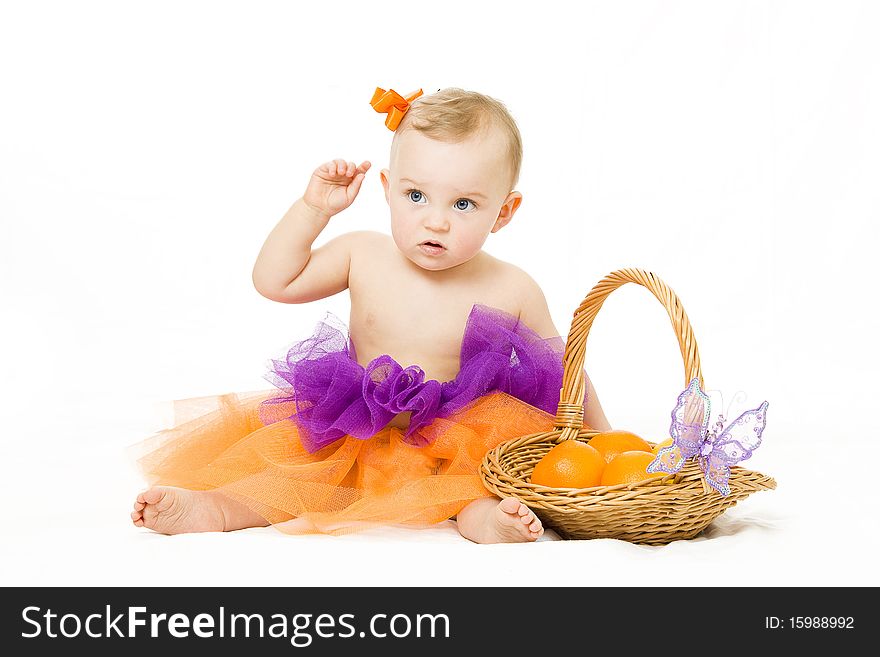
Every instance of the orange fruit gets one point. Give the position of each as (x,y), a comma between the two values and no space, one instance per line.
(659,446)
(570,464)
(612,443)
(629,468)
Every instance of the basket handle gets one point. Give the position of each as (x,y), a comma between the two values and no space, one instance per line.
(570,414)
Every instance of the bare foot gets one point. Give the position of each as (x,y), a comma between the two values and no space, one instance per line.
(515,522)
(170,510)
(488,520)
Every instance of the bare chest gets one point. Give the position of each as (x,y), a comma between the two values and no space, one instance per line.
(416,320)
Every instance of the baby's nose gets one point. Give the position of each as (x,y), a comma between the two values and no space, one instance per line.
(437,221)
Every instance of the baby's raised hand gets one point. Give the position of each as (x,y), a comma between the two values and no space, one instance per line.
(334,186)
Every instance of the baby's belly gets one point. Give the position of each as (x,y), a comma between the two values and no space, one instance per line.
(439,368)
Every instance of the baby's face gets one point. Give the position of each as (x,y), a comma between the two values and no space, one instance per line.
(450,194)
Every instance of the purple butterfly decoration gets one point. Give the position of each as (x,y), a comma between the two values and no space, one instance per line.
(715,450)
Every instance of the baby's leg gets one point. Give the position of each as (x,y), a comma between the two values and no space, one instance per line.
(493,520)
(170,510)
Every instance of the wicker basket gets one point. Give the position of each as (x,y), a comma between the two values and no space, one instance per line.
(652,512)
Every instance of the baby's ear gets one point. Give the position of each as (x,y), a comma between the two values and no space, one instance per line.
(384,177)
(508,209)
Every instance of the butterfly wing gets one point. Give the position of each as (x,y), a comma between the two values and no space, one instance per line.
(690,420)
(742,436)
(668,459)
(717,472)
(736,443)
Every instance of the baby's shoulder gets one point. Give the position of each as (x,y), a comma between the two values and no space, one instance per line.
(507,273)
(512,287)
(369,237)
(368,244)
(525,295)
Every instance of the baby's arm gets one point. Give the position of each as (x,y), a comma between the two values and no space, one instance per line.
(287,270)
(535,314)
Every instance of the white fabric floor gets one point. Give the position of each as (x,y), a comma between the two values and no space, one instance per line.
(66,523)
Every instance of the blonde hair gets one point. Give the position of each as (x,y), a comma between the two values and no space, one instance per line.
(453,115)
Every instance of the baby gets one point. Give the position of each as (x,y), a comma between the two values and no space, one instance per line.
(455,159)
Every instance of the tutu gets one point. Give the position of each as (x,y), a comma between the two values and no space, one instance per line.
(316,455)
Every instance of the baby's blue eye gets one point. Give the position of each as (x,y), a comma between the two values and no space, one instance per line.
(416,196)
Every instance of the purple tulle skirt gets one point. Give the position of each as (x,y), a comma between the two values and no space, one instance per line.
(335,396)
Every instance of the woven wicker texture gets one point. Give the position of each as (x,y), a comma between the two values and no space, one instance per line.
(653,512)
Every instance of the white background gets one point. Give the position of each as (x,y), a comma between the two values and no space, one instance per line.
(146,151)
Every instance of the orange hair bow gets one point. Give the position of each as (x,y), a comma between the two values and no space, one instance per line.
(393,104)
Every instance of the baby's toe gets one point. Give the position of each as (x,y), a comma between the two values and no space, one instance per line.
(531,522)
(151,496)
(529,517)
(510,505)
(137,519)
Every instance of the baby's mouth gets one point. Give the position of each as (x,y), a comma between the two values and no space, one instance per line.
(432,243)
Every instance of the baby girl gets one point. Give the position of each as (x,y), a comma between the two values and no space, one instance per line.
(361,439)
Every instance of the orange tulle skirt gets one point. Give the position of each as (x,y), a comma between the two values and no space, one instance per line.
(219,443)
